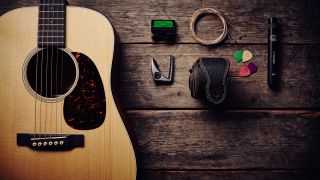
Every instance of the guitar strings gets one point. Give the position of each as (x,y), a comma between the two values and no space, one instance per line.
(61,73)
(52,49)
(47,62)
(56,76)
(57,61)
(61,104)
(41,70)
(36,88)
(50,40)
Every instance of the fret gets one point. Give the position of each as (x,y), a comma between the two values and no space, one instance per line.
(51,36)
(52,12)
(51,21)
(52,15)
(44,32)
(51,24)
(51,8)
(50,39)
(51,31)
(52,28)
(45,42)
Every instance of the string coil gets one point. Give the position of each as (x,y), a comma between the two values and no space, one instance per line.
(206,11)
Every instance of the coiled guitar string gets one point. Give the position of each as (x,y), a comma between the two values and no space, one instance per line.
(206,11)
(227,30)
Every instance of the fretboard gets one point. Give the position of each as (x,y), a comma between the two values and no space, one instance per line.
(51,29)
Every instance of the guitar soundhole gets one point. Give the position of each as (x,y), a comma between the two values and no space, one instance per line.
(51,73)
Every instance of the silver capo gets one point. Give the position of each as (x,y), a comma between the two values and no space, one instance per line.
(157,76)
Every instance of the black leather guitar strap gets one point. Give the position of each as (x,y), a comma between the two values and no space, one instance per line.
(208,79)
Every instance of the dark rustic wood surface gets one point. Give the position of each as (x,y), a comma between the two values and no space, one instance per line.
(257,133)
(232,175)
(300,77)
(228,139)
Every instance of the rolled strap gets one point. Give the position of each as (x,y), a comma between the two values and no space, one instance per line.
(208,79)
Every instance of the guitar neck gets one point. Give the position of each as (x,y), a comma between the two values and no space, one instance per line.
(51,28)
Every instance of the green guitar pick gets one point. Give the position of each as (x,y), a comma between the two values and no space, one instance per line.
(238,56)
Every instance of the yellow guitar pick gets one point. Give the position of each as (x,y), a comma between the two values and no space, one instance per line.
(246,56)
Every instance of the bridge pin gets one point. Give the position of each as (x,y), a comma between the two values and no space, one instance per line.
(50,143)
(61,142)
(39,143)
(34,144)
(45,143)
(55,143)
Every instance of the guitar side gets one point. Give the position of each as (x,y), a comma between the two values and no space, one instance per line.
(108,152)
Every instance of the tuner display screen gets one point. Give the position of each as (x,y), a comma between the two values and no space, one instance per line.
(162,23)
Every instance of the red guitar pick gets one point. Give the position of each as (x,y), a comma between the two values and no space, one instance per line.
(244,71)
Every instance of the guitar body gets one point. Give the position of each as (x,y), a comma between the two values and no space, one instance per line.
(107,152)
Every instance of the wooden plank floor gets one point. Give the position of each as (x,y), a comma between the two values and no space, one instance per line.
(257,133)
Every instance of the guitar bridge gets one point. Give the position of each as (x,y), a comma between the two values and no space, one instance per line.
(50,142)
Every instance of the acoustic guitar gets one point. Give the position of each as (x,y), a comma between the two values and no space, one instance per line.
(58,115)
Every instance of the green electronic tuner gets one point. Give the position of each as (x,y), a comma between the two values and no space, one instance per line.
(163,30)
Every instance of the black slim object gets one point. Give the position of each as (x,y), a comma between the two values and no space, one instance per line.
(272,51)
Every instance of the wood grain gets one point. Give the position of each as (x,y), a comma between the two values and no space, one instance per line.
(299,20)
(231,175)
(228,139)
(179,143)
(300,80)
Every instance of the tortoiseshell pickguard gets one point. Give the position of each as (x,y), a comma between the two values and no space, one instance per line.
(85,107)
